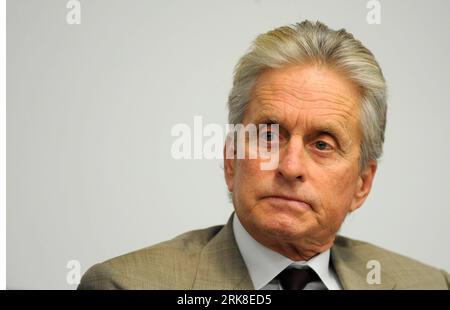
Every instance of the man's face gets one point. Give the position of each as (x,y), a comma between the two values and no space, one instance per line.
(302,203)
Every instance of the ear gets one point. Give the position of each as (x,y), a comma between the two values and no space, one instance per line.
(229,162)
(364,185)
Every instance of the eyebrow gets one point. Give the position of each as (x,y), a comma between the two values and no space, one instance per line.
(327,128)
(265,120)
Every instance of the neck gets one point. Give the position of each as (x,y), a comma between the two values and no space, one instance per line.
(302,249)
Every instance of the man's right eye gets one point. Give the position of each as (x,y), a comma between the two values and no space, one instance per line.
(269,135)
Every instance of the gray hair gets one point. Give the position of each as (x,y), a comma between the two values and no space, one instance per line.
(315,43)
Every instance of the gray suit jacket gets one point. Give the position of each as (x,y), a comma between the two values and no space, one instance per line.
(210,259)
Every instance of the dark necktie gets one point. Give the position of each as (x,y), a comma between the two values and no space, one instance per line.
(296,279)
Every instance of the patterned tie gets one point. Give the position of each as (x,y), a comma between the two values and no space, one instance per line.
(296,279)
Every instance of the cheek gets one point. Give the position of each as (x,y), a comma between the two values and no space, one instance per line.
(249,180)
(247,170)
(337,191)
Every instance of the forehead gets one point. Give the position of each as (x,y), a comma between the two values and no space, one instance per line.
(303,94)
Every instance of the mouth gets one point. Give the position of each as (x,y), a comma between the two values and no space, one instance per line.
(282,201)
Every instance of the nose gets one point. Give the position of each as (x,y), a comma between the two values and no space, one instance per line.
(292,160)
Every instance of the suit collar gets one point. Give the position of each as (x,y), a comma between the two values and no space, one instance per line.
(221,265)
(350,265)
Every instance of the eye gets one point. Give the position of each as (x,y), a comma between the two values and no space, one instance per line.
(322,146)
(269,134)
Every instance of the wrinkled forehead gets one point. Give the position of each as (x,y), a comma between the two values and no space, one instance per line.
(293,94)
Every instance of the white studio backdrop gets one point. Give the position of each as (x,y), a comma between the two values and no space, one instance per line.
(90,108)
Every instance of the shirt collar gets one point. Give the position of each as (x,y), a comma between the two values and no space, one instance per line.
(264,264)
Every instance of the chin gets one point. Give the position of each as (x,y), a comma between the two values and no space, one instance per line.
(281,226)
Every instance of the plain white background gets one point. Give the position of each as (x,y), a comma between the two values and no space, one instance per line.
(90,108)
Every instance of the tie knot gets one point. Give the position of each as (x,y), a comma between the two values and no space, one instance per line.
(296,278)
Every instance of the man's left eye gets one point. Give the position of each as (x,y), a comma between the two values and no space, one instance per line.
(322,146)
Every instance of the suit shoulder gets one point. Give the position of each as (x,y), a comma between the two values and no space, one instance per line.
(408,272)
(149,267)
(368,249)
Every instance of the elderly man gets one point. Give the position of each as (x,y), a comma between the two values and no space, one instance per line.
(322,96)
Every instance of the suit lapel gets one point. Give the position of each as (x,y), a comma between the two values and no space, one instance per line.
(350,266)
(221,265)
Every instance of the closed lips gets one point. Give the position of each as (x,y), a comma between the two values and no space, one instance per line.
(288,199)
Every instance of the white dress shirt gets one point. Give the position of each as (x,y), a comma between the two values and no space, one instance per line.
(264,264)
